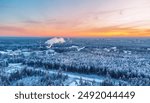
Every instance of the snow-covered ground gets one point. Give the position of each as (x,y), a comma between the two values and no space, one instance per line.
(73,78)
(28,61)
(13,67)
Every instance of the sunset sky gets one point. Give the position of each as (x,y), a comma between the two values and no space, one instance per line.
(75,18)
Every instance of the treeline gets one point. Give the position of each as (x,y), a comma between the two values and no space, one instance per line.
(125,75)
(47,79)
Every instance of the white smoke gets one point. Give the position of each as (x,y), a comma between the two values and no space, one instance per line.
(55,40)
(78,48)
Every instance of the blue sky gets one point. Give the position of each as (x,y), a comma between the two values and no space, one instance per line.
(75,17)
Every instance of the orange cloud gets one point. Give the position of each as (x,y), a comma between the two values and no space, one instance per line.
(115,32)
(112,31)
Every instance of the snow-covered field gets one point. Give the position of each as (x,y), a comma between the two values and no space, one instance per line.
(73,79)
(74,61)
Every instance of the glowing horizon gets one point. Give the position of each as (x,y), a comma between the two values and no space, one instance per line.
(75,18)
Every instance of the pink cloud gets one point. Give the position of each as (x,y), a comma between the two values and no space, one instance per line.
(12,29)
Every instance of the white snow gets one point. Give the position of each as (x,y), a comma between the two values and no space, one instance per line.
(127,51)
(75,77)
(78,48)
(3,52)
(26,53)
(114,48)
(148,49)
(12,67)
(106,49)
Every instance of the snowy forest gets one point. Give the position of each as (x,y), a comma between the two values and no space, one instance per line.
(60,61)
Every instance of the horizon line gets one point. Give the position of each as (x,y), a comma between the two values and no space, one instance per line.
(76,36)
